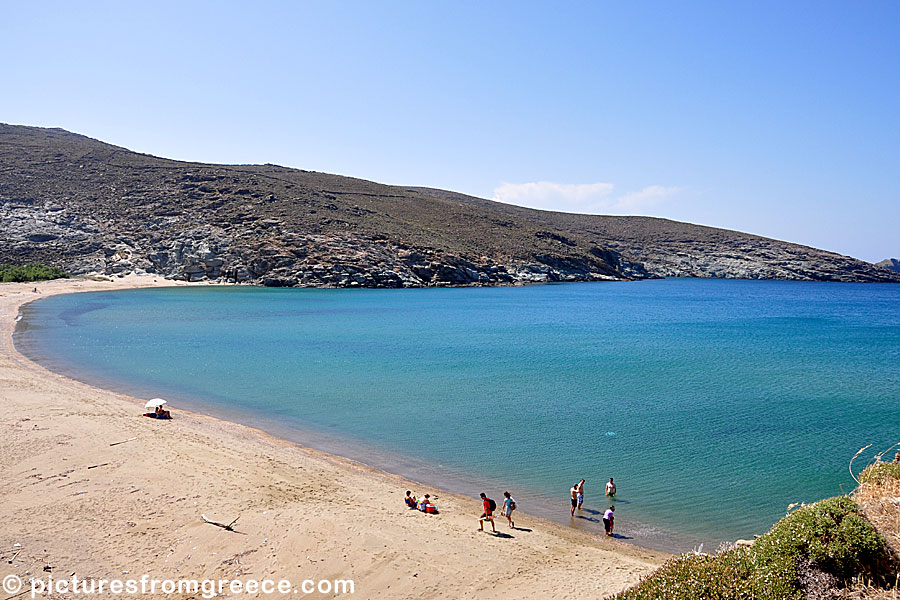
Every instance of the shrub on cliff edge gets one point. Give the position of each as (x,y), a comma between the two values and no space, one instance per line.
(828,537)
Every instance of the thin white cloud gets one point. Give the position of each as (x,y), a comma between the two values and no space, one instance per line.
(594,198)
(546,195)
(650,196)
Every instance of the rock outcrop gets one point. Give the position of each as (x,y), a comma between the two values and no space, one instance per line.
(889,263)
(89,207)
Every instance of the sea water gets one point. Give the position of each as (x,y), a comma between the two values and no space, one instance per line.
(714,404)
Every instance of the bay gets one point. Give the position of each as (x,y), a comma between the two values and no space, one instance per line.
(714,404)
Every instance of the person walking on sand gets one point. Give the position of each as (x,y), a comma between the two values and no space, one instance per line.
(574,494)
(608,518)
(509,505)
(610,488)
(488,515)
(580,496)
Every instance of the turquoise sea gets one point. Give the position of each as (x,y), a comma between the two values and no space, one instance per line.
(713,403)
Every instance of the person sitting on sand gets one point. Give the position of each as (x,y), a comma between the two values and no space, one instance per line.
(410,500)
(610,488)
(608,518)
(488,514)
(509,505)
(159,413)
(896,457)
(426,505)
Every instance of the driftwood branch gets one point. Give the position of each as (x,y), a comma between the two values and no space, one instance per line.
(95,466)
(123,441)
(17,595)
(228,527)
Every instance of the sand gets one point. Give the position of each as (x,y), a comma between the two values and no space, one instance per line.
(302,514)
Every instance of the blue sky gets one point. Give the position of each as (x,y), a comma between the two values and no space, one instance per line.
(776,118)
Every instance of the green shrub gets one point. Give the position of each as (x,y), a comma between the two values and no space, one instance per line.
(729,575)
(30,272)
(830,533)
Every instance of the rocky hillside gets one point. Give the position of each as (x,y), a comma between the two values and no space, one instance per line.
(90,207)
(889,263)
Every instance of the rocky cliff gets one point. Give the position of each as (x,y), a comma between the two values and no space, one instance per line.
(889,263)
(90,207)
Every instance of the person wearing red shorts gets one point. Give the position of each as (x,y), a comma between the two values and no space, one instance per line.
(488,514)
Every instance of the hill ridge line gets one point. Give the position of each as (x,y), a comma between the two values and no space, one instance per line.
(86,206)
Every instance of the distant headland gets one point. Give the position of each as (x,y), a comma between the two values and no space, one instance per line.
(889,263)
(85,206)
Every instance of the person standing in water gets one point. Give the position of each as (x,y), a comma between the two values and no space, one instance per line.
(580,496)
(608,518)
(610,488)
(574,493)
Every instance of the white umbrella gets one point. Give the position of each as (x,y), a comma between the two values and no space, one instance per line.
(155,402)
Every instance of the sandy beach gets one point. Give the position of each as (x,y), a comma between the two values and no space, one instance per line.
(71,501)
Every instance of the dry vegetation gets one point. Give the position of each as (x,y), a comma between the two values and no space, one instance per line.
(878,496)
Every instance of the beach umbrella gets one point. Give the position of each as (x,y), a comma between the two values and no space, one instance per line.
(155,402)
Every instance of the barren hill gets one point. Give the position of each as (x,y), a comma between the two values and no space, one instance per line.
(86,206)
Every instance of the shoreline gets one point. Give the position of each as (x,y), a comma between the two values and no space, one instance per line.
(40,395)
(449,479)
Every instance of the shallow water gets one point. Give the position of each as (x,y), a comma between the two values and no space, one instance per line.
(714,404)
